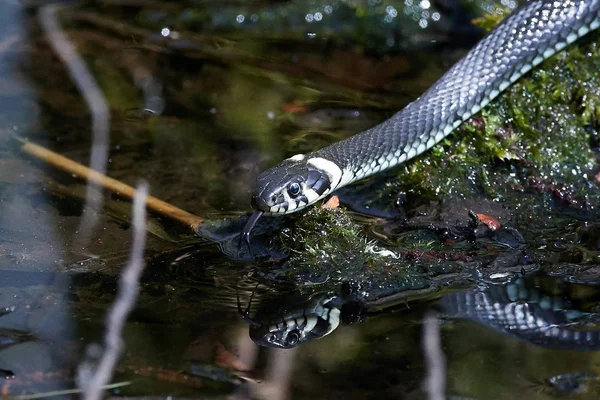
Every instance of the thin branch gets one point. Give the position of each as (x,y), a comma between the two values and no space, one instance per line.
(81,171)
(94,98)
(124,303)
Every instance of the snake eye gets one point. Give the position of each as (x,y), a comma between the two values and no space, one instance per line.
(292,338)
(293,189)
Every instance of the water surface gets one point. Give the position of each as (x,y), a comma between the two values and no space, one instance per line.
(205,95)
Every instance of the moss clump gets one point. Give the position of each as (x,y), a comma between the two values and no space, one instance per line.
(329,248)
(326,240)
(537,128)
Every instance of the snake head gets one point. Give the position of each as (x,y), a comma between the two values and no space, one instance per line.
(294,184)
(283,336)
(289,326)
(291,186)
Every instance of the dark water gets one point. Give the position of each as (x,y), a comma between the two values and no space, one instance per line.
(205,95)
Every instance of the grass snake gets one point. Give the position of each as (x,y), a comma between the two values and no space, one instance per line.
(533,33)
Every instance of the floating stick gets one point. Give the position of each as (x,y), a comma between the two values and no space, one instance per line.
(81,171)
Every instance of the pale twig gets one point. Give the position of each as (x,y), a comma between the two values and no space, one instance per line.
(94,98)
(279,374)
(124,303)
(435,363)
(81,171)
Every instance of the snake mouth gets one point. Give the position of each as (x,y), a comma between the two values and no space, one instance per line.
(280,205)
(289,206)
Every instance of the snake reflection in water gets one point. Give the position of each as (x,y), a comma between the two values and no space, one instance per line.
(520,309)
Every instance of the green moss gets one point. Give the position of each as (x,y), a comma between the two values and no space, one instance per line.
(327,238)
(537,128)
(329,248)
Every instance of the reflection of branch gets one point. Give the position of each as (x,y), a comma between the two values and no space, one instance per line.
(126,298)
(115,186)
(277,383)
(435,363)
(96,103)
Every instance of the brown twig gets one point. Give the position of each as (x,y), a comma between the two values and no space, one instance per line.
(81,171)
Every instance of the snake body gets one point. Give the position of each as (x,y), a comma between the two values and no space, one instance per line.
(535,32)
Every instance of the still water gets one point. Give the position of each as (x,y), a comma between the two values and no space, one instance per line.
(203,96)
